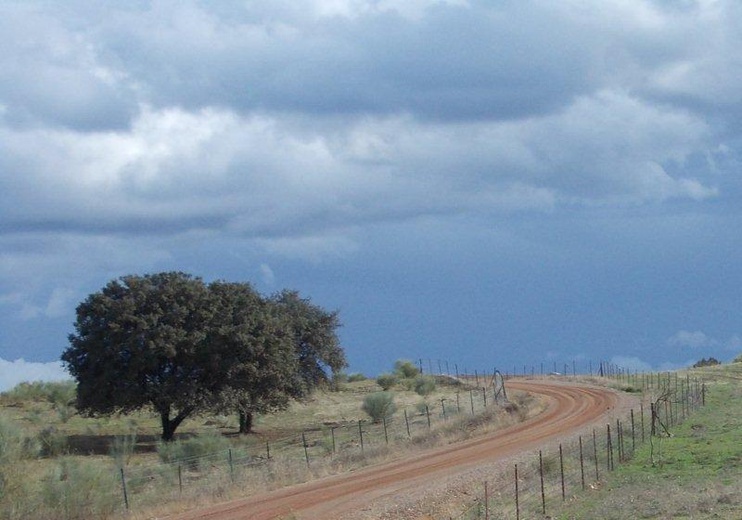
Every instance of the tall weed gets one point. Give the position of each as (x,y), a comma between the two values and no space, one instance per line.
(76,490)
(193,451)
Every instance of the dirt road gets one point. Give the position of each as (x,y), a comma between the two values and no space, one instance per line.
(569,409)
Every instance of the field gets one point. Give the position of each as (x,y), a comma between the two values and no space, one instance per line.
(57,464)
(695,473)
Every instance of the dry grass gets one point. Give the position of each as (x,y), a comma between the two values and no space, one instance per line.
(92,449)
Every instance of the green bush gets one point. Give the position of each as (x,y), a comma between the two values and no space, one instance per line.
(379,406)
(78,490)
(386,381)
(15,445)
(122,448)
(707,362)
(424,385)
(53,443)
(195,450)
(352,378)
(55,392)
(406,369)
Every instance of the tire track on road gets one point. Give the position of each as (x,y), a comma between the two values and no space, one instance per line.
(569,409)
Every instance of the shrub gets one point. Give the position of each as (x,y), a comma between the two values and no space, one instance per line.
(386,381)
(424,385)
(77,490)
(53,443)
(122,448)
(406,369)
(352,378)
(58,392)
(379,405)
(193,450)
(707,362)
(14,444)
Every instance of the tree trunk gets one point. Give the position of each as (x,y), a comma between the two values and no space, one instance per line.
(168,428)
(170,425)
(245,422)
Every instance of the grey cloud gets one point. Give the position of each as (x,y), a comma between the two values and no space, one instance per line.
(52,75)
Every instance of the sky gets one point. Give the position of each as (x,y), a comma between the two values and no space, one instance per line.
(490,184)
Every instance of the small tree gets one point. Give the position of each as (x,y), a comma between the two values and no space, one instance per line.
(424,385)
(706,362)
(406,369)
(386,381)
(379,406)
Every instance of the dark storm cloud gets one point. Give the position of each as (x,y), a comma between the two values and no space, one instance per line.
(228,136)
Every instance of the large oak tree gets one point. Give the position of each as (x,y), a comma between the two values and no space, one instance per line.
(170,342)
(142,341)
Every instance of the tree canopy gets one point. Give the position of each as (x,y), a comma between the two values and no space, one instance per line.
(173,343)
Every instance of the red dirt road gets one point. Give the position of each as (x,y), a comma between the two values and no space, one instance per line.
(570,408)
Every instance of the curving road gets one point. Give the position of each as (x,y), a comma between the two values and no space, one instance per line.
(570,408)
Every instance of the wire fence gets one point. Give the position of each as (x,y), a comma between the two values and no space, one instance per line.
(321,449)
(531,488)
(538,484)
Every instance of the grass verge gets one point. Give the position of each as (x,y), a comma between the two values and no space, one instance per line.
(696,473)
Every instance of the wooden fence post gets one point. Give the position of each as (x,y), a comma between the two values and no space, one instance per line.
(582,466)
(561,470)
(595,454)
(306,449)
(541,474)
(123,487)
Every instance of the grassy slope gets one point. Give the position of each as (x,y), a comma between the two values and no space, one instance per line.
(39,483)
(697,473)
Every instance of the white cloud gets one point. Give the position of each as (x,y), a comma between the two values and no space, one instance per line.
(692,339)
(267,274)
(19,371)
(632,363)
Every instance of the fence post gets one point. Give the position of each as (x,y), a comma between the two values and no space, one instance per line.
(609,448)
(541,474)
(582,466)
(386,435)
(561,470)
(427,414)
(703,394)
(641,412)
(443,407)
(471,398)
(595,454)
(180,479)
(360,433)
(268,450)
(332,434)
(633,434)
(123,487)
(407,423)
(231,463)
